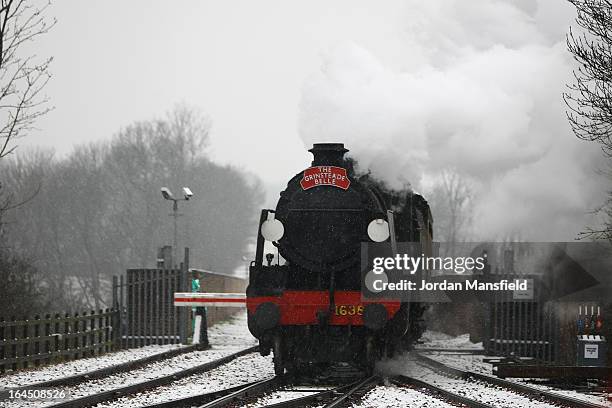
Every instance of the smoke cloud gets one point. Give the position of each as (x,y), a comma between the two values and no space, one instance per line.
(470,86)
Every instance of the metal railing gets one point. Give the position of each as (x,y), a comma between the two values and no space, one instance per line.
(147,315)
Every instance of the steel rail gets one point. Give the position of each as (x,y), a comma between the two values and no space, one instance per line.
(365,384)
(257,388)
(197,400)
(115,393)
(511,385)
(440,392)
(314,398)
(102,372)
(240,392)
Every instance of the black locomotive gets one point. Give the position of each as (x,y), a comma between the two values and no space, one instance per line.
(308,310)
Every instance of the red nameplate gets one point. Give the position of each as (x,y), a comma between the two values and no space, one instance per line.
(325,176)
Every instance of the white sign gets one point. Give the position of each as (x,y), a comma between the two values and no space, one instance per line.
(526,294)
(591,351)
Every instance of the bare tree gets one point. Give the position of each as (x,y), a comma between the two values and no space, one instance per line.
(22,77)
(451,202)
(99,210)
(605,231)
(589,98)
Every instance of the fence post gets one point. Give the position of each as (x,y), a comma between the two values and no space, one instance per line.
(201,311)
(116,329)
(182,311)
(58,337)
(121,329)
(184,287)
(47,343)
(66,337)
(165,311)
(13,335)
(2,346)
(25,346)
(91,339)
(116,318)
(148,307)
(114,304)
(155,309)
(107,329)
(37,332)
(76,333)
(131,309)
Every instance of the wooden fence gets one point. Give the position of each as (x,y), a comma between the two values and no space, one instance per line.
(42,340)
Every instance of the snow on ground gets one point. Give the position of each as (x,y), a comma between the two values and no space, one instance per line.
(245,369)
(471,362)
(468,362)
(475,363)
(69,368)
(390,396)
(436,339)
(282,395)
(233,334)
(221,335)
(225,338)
(477,390)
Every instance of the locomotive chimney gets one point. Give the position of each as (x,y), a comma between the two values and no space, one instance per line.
(328,154)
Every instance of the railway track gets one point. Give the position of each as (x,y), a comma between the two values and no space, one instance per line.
(113,394)
(262,390)
(526,390)
(139,387)
(102,372)
(438,392)
(261,393)
(285,392)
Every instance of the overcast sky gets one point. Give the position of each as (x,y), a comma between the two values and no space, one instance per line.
(474,86)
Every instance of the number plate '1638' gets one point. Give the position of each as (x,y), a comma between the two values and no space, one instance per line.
(349,310)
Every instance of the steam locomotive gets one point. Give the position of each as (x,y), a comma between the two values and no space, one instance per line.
(308,310)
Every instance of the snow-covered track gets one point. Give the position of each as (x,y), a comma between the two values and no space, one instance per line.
(200,399)
(312,399)
(224,397)
(510,385)
(261,390)
(334,396)
(102,372)
(274,385)
(255,389)
(357,390)
(439,392)
(115,393)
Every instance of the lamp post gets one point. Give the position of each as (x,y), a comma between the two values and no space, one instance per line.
(167,194)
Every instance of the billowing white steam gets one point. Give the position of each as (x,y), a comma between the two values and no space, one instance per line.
(476,88)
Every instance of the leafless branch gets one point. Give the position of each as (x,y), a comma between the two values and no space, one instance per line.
(589,97)
(22,78)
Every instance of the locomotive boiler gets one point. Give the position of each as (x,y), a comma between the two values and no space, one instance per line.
(304,302)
